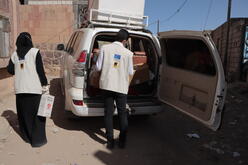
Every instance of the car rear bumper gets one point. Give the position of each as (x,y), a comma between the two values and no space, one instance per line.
(96,108)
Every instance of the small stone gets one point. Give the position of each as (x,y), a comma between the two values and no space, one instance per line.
(57,160)
(212,143)
(37,152)
(193,135)
(85,154)
(219,151)
(55,130)
(233,122)
(236,154)
(11,153)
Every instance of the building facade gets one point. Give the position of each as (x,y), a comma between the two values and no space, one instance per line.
(8,30)
(237,52)
(50,22)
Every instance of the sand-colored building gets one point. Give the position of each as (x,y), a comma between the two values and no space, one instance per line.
(50,22)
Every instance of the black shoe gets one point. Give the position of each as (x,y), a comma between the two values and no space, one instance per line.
(110,144)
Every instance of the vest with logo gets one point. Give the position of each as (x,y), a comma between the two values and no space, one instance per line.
(115,75)
(26,76)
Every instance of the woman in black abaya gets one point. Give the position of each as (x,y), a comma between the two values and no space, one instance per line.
(30,80)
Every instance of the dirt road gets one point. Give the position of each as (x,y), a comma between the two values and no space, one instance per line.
(154,140)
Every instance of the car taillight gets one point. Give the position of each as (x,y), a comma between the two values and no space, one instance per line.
(79,64)
(78,102)
(82,57)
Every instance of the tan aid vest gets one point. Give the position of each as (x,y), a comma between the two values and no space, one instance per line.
(26,77)
(116,61)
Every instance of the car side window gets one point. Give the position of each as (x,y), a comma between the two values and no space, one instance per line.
(76,43)
(70,50)
(70,42)
(189,54)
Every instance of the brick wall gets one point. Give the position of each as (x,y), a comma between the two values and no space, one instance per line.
(234,48)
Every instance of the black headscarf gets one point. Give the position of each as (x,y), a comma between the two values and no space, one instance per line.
(24,44)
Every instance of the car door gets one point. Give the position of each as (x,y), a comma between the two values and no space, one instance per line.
(191,76)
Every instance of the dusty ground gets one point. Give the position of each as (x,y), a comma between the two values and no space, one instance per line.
(160,139)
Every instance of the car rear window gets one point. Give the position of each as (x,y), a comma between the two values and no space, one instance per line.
(189,54)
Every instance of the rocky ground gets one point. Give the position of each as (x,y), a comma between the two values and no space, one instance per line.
(170,137)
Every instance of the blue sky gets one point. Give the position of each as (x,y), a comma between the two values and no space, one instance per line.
(193,14)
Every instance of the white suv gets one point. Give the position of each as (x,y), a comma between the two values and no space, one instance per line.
(179,68)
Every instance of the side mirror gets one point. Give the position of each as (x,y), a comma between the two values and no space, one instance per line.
(60,47)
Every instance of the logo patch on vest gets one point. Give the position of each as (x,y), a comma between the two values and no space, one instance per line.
(117,58)
(21,63)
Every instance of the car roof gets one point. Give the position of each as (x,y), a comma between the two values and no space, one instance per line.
(184,33)
(103,29)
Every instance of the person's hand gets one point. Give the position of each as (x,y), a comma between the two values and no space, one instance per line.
(45,89)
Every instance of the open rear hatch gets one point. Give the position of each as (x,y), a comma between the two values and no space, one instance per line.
(191,77)
(144,83)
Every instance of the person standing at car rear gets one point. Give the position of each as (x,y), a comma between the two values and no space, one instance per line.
(26,64)
(116,65)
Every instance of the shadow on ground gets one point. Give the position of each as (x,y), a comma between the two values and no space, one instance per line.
(91,126)
(162,139)
(4,74)
(12,119)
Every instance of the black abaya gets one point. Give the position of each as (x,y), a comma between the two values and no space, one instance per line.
(32,127)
